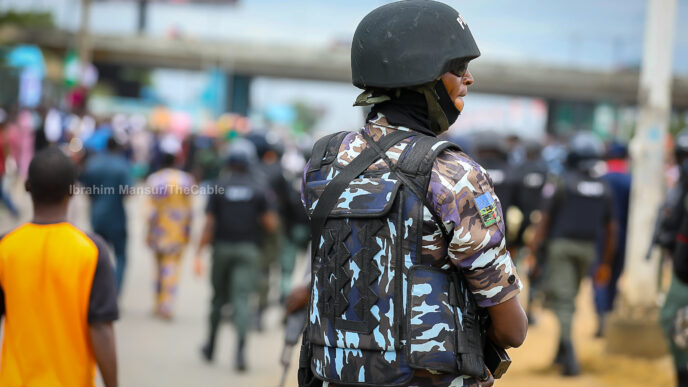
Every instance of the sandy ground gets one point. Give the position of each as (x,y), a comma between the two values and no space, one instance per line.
(158,353)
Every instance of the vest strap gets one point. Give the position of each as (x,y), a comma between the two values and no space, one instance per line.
(320,150)
(418,162)
(337,185)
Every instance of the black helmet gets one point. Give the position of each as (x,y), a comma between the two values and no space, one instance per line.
(584,147)
(489,141)
(260,143)
(241,152)
(533,149)
(410,43)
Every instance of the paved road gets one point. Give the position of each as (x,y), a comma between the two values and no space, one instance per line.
(160,353)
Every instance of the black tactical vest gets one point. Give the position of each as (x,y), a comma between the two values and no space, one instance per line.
(582,205)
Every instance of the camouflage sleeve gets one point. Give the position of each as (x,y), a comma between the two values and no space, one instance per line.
(463,195)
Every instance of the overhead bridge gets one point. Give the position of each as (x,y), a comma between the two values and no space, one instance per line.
(253,58)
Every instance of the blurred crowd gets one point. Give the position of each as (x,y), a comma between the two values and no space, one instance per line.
(120,155)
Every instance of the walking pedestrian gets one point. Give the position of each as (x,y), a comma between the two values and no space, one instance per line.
(169,228)
(238,214)
(107,179)
(577,210)
(57,290)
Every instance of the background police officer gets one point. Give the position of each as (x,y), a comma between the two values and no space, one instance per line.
(577,209)
(618,177)
(268,169)
(237,215)
(673,236)
(529,179)
(491,152)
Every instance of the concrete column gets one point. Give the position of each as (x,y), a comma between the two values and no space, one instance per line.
(647,150)
(84,41)
(238,94)
(633,327)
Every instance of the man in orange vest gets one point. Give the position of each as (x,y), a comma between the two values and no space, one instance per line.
(57,290)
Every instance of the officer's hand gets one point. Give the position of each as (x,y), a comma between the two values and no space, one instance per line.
(489,381)
(297,299)
(532,268)
(603,274)
(198,266)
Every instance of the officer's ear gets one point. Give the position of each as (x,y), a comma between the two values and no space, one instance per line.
(27,186)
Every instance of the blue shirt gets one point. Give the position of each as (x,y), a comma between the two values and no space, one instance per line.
(107,178)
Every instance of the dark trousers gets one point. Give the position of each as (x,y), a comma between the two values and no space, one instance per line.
(118,240)
(233,274)
(605,295)
(569,263)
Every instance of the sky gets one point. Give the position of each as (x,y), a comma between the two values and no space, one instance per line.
(584,33)
(594,34)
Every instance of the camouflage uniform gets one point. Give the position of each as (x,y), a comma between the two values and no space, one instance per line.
(479,251)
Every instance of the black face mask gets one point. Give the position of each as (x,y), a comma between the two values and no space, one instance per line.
(410,110)
(447,104)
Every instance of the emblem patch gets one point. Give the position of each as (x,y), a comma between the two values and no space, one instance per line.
(488,209)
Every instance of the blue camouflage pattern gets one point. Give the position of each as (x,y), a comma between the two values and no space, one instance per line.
(381,310)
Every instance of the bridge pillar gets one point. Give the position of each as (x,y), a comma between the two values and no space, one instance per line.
(238,93)
(568,116)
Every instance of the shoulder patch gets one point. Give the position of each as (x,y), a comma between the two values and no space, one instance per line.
(488,209)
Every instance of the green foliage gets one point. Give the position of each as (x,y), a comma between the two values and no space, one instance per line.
(27,19)
(677,124)
(136,74)
(306,117)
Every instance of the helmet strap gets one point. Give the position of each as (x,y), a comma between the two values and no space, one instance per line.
(370,97)
(438,118)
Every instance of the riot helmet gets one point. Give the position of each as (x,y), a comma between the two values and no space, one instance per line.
(410,44)
(584,151)
(532,149)
(489,144)
(241,153)
(260,143)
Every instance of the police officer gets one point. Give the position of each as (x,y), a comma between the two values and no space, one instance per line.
(237,215)
(529,179)
(619,179)
(674,238)
(577,209)
(491,153)
(409,248)
(269,170)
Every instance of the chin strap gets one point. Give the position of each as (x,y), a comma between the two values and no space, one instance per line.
(438,119)
(440,123)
